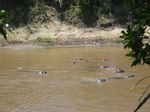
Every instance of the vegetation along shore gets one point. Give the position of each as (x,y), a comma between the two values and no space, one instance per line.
(63,23)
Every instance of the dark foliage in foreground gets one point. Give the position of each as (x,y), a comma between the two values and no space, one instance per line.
(137,37)
(2,24)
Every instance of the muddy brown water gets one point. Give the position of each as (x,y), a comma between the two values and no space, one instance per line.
(70,84)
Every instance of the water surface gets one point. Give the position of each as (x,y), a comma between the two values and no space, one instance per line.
(70,84)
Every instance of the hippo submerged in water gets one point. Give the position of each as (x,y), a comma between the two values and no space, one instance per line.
(101,80)
(120,70)
(79,60)
(42,72)
(125,77)
(39,71)
(109,67)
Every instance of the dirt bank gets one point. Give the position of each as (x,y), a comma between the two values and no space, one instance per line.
(61,34)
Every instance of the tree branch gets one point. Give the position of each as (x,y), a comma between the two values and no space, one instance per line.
(142,102)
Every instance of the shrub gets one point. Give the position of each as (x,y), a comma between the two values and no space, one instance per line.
(44,40)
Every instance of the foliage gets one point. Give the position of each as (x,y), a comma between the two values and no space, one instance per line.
(88,11)
(3,25)
(38,12)
(136,37)
(17,11)
(73,15)
(22,12)
(44,40)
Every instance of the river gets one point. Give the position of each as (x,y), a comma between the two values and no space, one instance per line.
(70,83)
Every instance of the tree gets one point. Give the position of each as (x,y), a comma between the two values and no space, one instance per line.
(137,37)
(3,25)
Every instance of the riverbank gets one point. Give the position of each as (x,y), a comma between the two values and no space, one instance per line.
(61,34)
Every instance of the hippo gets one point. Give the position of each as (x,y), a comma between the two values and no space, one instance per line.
(120,70)
(105,60)
(107,67)
(101,80)
(79,60)
(129,76)
(42,72)
(74,62)
(39,71)
(125,77)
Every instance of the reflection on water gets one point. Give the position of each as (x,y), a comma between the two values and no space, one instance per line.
(63,89)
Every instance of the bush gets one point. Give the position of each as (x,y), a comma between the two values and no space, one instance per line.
(44,40)
(3,25)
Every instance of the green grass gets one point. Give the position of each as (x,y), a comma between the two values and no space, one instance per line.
(44,40)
